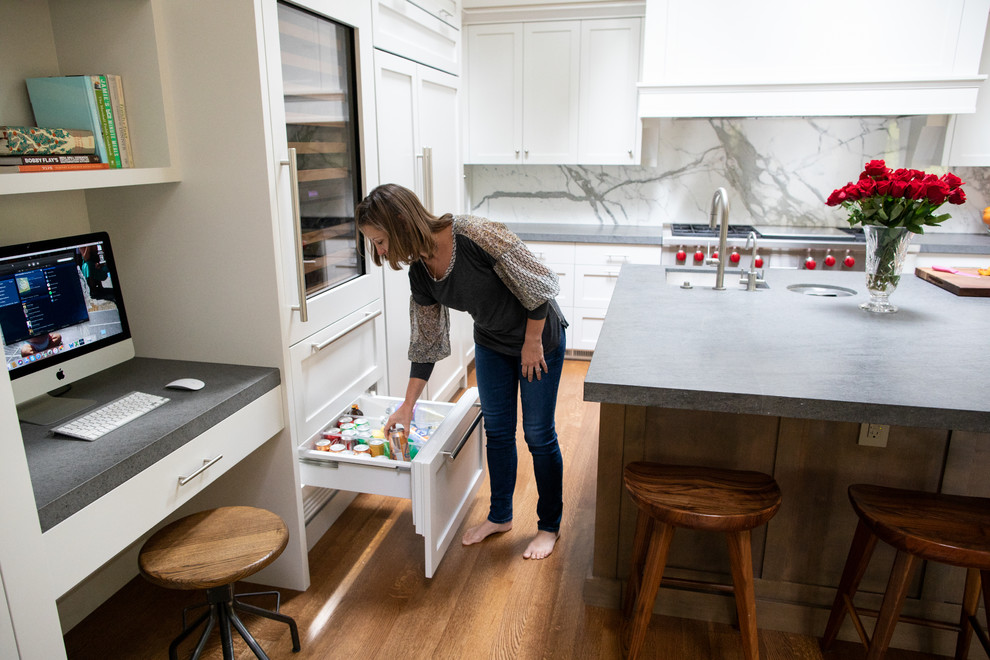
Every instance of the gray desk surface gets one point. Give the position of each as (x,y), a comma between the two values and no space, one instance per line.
(69,474)
(776,352)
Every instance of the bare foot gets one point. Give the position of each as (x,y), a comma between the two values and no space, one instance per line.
(483,531)
(542,545)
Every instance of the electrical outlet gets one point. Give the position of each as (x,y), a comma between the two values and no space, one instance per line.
(873,435)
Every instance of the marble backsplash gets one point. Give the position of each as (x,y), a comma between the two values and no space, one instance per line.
(777,171)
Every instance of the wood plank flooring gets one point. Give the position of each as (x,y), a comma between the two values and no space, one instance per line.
(369,599)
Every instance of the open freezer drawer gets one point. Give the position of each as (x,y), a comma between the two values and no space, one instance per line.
(441,480)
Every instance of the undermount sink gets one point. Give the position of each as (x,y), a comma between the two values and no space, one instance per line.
(822,290)
(690,278)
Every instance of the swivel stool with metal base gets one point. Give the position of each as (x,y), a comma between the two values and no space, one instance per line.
(211,550)
(949,529)
(669,496)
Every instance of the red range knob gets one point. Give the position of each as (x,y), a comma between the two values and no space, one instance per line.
(715,254)
(829,261)
(734,257)
(681,255)
(758,262)
(849,261)
(810,263)
(699,256)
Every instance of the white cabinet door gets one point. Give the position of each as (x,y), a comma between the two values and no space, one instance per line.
(609,72)
(423,31)
(441,480)
(495,94)
(550,91)
(418,138)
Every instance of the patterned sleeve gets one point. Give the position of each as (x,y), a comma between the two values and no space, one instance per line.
(429,332)
(527,277)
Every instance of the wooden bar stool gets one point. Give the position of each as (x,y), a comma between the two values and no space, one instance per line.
(669,496)
(949,529)
(211,550)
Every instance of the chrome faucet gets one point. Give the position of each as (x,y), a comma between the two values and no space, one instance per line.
(752,278)
(720,200)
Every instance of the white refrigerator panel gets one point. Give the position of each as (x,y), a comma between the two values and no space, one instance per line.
(441,480)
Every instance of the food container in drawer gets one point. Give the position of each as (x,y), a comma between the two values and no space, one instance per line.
(441,480)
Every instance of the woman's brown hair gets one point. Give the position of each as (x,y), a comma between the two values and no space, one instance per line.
(398,213)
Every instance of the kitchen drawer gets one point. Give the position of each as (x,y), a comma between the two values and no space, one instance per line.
(550,253)
(441,481)
(333,367)
(128,511)
(594,285)
(616,254)
(585,328)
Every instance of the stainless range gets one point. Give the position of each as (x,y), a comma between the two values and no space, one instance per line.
(811,248)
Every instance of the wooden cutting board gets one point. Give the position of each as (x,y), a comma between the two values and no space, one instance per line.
(957,284)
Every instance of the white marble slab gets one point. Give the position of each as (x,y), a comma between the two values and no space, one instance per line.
(778,171)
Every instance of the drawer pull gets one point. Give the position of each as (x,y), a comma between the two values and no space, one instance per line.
(207,463)
(452,455)
(617,258)
(609,274)
(354,326)
(297,234)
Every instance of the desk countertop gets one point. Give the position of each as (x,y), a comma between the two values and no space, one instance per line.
(68,474)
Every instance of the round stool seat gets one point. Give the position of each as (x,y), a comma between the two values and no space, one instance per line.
(213,548)
(702,497)
(950,529)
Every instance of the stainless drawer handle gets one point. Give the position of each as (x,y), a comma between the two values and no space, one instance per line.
(207,463)
(452,455)
(612,274)
(354,326)
(617,258)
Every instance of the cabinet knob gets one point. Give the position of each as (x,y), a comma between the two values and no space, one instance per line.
(630,153)
(526,153)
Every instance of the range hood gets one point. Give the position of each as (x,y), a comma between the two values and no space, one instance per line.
(710,58)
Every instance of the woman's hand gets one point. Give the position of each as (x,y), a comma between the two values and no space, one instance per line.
(402,416)
(532,360)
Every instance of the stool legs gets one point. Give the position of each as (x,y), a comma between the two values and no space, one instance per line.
(656,559)
(859,558)
(221,612)
(741,558)
(893,601)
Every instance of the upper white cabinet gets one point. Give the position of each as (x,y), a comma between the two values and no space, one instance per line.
(549,92)
(426,31)
(841,57)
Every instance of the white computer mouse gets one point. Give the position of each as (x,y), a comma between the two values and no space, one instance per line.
(186,384)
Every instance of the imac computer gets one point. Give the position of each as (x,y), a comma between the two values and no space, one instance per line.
(62,318)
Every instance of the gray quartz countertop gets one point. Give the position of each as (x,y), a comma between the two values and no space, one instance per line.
(776,352)
(69,474)
(552,232)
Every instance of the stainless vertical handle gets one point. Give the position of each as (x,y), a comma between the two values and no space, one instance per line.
(297,234)
(428,179)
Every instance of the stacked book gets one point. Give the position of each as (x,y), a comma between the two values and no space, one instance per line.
(81,124)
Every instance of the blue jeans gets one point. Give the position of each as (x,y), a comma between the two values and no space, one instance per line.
(499,380)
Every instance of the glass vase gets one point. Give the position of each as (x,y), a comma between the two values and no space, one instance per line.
(886,248)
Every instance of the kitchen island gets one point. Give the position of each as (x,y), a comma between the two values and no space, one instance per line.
(781,382)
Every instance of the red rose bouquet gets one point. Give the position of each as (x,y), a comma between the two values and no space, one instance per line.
(897,198)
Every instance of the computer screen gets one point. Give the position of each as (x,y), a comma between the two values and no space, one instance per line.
(62,313)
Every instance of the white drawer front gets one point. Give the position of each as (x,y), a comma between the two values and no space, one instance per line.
(594,285)
(615,254)
(586,327)
(565,276)
(550,253)
(333,367)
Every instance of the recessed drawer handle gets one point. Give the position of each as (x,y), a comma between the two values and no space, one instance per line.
(354,326)
(452,455)
(207,463)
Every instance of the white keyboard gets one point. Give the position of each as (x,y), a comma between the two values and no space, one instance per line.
(113,415)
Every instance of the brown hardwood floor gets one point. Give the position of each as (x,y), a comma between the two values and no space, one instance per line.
(369,599)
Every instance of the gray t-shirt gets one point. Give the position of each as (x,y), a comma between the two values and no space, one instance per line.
(496,279)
